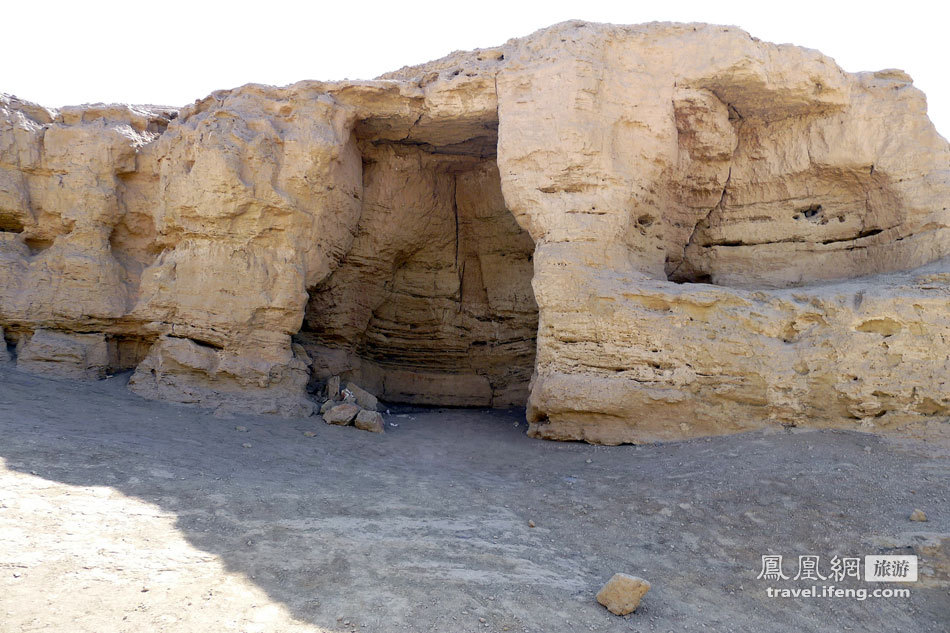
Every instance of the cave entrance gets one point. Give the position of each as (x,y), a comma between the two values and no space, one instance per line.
(433,303)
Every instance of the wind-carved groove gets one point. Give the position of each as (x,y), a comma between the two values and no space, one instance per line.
(200,342)
(859,236)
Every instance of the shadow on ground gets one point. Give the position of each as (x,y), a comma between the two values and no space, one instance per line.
(427,527)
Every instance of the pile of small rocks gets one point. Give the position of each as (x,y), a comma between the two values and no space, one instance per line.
(351,405)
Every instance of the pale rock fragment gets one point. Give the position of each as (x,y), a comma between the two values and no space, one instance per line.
(365,399)
(622,593)
(369,421)
(341,414)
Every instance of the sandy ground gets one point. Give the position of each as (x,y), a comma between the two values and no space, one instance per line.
(119,514)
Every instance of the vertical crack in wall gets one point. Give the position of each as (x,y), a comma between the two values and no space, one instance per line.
(701,224)
(459,266)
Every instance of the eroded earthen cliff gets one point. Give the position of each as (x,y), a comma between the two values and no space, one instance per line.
(645,232)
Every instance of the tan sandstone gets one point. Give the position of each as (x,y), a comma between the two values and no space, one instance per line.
(369,421)
(65,354)
(622,593)
(341,414)
(365,399)
(639,239)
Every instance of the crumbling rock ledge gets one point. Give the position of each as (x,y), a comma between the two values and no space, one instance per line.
(644,232)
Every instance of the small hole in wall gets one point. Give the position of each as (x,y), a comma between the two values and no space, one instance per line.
(645,220)
(37,244)
(10,224)
(695,278)
(809,213)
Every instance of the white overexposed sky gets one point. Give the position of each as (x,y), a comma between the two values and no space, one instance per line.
(174,52)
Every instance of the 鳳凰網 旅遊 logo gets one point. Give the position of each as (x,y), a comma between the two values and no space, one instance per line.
(836,569)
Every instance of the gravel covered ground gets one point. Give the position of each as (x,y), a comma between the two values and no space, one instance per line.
(120,514)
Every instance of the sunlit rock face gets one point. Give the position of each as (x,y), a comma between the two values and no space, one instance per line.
(643,232)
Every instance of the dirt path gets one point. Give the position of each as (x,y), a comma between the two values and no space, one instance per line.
(119,514)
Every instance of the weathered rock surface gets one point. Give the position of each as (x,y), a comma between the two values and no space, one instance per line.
(369,421)
(641,239)
(182,370)
(333,388)
(622,593)
(365,399)
(702,360)
(341,414)
(68,355)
